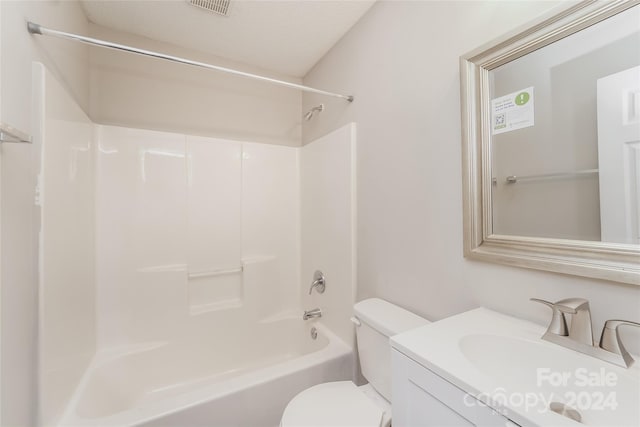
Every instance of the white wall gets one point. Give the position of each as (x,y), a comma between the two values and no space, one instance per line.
(401,63)
(1,275)
(328,216)
(67,333)
(69,63)
(134,91)
(169,205)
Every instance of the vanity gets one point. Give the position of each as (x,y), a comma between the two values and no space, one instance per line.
(483,368)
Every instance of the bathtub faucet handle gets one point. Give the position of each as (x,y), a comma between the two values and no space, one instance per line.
(318,282)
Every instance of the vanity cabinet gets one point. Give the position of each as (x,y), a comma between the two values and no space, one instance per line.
(421,398)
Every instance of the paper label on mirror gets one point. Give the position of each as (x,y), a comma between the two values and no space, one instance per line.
(512,111)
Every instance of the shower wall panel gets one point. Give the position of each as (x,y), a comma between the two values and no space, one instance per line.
(141,214)
(193,234)
(328,200)
(214,201)
(271,227)
(67,337)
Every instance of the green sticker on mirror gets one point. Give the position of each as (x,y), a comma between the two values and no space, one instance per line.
(522,98)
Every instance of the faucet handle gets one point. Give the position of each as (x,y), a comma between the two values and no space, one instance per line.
(558,324)
(572,305)
(319,282)
(610,339)
(542,301)
(581,329)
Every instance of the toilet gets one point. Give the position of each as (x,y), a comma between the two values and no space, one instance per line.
(342,403)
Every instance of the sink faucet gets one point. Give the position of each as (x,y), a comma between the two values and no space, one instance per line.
(316,312)
(610,339)
(579,337)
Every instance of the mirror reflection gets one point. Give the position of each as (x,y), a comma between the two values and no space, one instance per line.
(565,137)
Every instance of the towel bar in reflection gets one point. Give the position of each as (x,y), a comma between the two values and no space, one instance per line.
(513,179)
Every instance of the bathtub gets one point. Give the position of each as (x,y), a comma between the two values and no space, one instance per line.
(246,381)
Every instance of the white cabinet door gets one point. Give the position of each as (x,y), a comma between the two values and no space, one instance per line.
(421,398)
(619,156)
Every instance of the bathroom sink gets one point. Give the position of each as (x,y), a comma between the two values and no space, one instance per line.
(502,362)
(600,392)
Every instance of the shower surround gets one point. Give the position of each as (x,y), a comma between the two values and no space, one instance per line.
(174,270)
(191,230)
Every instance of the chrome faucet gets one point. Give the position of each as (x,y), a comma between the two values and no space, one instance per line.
(579,337)
(316,312)
(318,282)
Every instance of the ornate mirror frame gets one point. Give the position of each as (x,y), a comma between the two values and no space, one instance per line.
(609,261)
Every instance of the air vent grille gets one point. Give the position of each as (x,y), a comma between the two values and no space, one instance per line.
(221,7)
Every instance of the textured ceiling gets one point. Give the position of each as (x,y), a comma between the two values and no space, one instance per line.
(283,36)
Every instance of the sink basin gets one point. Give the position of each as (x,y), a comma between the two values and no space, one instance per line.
(503,362)
(541,375)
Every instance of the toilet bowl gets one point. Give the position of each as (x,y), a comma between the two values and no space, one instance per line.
(342,403)
(339,403)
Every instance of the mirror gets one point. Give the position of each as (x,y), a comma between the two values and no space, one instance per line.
(551,144)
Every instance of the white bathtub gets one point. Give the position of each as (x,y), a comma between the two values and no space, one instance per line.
(246,381)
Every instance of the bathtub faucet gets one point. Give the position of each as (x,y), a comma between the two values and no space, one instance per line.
(316,312)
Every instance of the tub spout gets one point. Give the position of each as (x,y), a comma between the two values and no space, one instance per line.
(316,312)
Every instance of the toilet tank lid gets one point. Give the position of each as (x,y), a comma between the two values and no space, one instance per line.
(387,318)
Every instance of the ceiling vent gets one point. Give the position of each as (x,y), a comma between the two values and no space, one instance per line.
(221,7)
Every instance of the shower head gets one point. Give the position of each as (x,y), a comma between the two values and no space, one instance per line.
(309,115)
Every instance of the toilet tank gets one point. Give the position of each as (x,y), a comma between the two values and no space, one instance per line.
(380,320)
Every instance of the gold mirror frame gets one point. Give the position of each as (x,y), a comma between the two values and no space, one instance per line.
(609,261)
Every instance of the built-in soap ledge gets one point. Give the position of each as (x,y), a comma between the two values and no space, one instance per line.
(220,289)
(167,268)
(199,309)
(214,272)
(215,290)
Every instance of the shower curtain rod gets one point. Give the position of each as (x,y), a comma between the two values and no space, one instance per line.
(43,31)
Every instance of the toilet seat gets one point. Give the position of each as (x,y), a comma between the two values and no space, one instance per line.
(339,403)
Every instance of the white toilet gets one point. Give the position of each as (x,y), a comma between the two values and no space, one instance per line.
(342,403)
